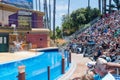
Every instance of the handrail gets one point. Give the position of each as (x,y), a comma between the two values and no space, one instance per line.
(84,28)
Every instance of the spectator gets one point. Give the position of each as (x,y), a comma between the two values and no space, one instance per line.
(98,53)
(100,69)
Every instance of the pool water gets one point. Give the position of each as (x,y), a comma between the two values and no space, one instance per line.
(36,67)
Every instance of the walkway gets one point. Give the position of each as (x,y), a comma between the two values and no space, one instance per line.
(81,67)
(78,67)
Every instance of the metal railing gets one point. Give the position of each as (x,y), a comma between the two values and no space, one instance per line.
(83,29)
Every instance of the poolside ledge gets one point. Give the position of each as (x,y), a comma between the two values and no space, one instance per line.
(41,49)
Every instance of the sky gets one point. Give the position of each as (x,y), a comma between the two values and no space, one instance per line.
(62,7)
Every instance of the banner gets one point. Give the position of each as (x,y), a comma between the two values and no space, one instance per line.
(27,4)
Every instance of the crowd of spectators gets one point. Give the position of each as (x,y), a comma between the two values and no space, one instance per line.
(101,40)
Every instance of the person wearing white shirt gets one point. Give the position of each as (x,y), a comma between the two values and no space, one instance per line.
(101,69)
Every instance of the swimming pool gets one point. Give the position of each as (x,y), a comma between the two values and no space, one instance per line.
(36,67)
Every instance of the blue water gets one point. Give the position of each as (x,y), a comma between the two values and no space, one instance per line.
(36,67)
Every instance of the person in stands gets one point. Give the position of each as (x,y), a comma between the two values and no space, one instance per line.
(101,70)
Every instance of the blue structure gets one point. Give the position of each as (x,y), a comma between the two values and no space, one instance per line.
(27,4)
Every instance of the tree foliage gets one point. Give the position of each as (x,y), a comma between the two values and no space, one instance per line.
(58,32)
(81,16)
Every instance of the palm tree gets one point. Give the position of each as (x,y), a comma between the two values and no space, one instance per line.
(103,6)
(54,12)
(68,7)
(45,20)
(49,15)
(99,5)
(88,3)
(39,5)
(117,4)
(36,5)
(110,6)
(46,24)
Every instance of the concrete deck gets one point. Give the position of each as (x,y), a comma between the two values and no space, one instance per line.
(8,57)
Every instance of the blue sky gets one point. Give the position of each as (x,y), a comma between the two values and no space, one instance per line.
(62,7)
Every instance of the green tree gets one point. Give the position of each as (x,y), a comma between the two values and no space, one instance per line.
(66,25)
(58,32)
(78,18)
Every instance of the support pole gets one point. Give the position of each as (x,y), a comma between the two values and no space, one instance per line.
(63,65)
(48,68)
(70,57)
(21,75)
